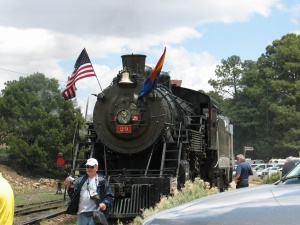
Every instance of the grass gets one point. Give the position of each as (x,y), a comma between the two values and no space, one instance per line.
(29,196)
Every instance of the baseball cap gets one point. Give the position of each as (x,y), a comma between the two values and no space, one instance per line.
(92,162)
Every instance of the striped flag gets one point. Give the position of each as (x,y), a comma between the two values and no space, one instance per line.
(83,68)
(151,81)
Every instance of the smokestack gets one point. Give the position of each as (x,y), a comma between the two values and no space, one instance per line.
(134,62)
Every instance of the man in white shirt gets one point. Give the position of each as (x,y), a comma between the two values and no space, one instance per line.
(94,192)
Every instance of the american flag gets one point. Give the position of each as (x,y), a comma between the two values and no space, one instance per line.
(83,68)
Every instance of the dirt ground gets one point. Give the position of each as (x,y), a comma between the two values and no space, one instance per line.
(60,220)
(252,182)
(14,179)
(18,182)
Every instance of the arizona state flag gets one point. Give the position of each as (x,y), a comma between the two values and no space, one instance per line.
(151,81)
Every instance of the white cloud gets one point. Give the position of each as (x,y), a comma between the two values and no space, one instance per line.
(125,18)
(296,14)
(296,32)
(37,36)
(194,69)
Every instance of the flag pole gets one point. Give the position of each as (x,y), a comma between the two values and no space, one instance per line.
(96,77)
(87,106)
(98,80)
(94,71)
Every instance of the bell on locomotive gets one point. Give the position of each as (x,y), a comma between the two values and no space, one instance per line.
(125,78)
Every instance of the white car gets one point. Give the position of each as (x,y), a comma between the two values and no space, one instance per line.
(260,167)
(269,171)
(253,166)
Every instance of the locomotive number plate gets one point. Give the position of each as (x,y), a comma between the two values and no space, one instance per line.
(124,129)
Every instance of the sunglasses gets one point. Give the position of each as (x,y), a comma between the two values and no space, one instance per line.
(90,167)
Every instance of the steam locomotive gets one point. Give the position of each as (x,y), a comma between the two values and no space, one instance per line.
(149,146)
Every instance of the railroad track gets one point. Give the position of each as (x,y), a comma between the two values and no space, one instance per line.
(34,213)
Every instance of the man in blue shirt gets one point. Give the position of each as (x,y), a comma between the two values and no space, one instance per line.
(243,171)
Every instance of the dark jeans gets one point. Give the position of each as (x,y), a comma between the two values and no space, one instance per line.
(242,184)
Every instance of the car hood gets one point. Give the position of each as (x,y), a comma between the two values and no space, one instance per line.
(263,204)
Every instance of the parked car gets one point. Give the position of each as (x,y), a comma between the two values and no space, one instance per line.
(269,171)
(265,172)
(276,161)
(289,166)
(253,166)
(279,166)
(274,204)
(260,167)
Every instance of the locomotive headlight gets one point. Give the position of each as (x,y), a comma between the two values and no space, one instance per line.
(123,116)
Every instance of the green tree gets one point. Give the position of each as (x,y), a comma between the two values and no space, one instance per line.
(216,96)
(229,74)
(235,105)
(262,99)
(280,68)
(249,113)
(37,123)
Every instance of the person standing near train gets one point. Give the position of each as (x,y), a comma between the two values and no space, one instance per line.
(7,202)
(243,171)
(92,191)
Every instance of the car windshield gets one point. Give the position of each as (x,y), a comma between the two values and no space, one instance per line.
(295,171)
(273,168)
(293,177)
(260,167)
(253,165)
(278,165)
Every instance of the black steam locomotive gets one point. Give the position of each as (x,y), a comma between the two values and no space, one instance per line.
(149,146)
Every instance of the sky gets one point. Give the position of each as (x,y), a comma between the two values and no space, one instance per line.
(47,37)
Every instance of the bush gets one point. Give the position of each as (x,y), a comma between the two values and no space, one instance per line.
(271,179)
(191,191)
